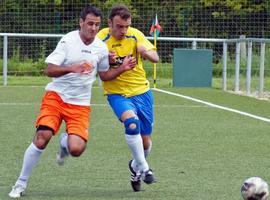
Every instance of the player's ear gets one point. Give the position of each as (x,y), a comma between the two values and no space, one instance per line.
(81,22)
(110,23)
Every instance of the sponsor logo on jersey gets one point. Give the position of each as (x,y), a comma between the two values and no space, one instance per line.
(85,51)
(116,45)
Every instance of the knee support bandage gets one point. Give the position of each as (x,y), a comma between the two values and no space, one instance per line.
(132,126)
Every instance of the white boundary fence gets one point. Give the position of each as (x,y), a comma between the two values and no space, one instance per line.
(194,42)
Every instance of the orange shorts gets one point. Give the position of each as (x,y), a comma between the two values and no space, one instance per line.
(53,110)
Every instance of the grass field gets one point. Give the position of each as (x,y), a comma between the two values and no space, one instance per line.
(199,152)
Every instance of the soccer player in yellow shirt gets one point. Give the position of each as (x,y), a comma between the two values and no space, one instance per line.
(129,94)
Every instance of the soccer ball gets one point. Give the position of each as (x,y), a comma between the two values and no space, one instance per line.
(255,188)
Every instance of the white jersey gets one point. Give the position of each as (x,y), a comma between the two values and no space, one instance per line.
(75,88)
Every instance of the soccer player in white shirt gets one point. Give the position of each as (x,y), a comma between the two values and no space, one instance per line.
(78,57)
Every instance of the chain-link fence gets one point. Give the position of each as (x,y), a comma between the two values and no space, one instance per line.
(185,18)
(188,19)
(195,18)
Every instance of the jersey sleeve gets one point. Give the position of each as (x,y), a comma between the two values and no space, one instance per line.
(103,64)
(142,40)
(58,56)
(103,33)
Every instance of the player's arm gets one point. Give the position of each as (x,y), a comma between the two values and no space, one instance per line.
(54,60)
(145,48)
(150,55)
(129,63)
(53,70)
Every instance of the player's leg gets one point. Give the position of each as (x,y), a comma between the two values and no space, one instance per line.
(133,138)
(63,152)
(133,166)
(126,112)
(73,142)
(76,145)
(148,177)
(147,144)
(135,144)
(30,160)
(47,124)
(70,144)
(144,105)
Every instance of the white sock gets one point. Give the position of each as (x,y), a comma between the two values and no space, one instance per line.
(134,164)
(136,146)
(30,159)
(64,142)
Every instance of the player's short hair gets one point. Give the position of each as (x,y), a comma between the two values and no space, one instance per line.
(89,9)
(120,10)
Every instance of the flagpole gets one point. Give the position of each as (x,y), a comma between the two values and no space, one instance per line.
(155,65)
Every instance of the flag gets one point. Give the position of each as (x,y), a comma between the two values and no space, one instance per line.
(155,26)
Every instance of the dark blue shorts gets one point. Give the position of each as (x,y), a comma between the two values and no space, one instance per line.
(142,105)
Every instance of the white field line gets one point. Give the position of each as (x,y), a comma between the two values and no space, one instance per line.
(213,105)
(100,105)
(22,86)
(17,104)
(30,104)
(35,86)
(178,106)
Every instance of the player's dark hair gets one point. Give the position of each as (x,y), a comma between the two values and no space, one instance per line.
(120,10)
(89,9)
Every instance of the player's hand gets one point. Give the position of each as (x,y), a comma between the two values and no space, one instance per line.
(129,63)
(84,67)
(112,57)
(87,67)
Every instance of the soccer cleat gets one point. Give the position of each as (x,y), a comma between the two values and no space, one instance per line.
(62,154)
(148,177)
(135,179)
(17,191)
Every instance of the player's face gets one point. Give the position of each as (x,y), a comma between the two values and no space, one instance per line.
(119,27)
(89,28)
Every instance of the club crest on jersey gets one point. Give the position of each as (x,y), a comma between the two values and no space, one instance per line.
(118,61)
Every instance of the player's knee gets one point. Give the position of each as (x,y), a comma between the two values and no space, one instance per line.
(76,150)
(132,126)
(42,138)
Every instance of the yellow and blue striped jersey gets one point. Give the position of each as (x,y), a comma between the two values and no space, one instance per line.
(133,82)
